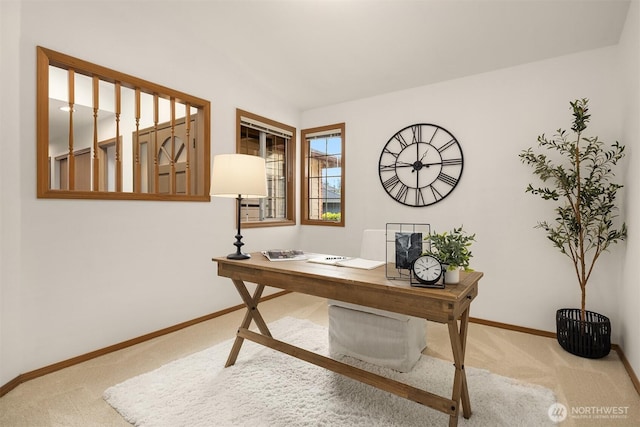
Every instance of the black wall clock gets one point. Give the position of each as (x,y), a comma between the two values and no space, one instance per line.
(421,165)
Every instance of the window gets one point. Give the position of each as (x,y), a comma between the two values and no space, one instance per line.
(276,142)
(323,175)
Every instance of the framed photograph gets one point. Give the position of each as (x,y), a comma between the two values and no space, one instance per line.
(405,242)
(408,248)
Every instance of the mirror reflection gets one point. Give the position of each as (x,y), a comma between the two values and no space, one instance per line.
(104,134)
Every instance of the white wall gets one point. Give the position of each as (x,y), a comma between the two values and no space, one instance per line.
(629,296)
(10,309)
(81,275)
(61,296)
(494,116)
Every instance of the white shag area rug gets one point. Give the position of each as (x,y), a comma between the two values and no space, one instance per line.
(268,388)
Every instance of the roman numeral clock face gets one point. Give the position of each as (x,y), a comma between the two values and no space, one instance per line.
(420,165)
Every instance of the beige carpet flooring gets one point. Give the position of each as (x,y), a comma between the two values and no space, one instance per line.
(73,396)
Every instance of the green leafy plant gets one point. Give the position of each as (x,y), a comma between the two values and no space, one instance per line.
(331,216)
(583,227)
(452,248)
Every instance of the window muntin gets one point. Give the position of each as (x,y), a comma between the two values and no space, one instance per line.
(323,175)
(259,136)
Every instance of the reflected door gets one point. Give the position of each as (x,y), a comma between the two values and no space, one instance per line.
(82,170)
(172,164)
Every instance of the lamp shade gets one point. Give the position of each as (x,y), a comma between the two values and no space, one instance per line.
(238,174)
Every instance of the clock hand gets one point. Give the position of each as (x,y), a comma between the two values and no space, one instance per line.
(417,177)
(425,153)
(432,164)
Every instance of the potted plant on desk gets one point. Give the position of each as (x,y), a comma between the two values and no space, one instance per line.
(583,227)
(452,249)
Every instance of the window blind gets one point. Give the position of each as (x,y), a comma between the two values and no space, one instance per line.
(254,124)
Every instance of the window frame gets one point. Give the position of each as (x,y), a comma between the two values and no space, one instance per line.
(47,58)
(304,178)
(289,173)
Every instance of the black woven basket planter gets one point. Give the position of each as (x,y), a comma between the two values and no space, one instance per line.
(590,338)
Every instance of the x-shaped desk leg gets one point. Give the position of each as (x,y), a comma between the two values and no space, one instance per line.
(458,345)
(252,314)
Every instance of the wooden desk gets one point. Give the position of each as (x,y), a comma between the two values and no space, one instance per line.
(365,287)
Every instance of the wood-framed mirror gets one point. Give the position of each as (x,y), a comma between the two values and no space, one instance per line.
(102,134)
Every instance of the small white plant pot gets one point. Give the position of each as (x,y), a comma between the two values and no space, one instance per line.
(451,277)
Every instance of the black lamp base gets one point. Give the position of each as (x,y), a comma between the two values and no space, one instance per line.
(238,243)
(238,256)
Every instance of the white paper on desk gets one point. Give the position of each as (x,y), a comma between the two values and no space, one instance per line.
(328,259)
(365,264)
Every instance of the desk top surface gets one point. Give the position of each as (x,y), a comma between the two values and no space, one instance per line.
(258,264)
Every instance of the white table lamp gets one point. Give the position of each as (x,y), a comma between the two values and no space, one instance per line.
(239,176)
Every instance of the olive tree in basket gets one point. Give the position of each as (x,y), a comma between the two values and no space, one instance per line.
(578,174)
